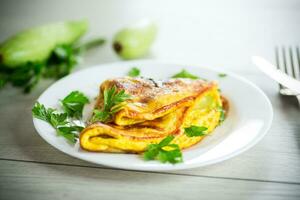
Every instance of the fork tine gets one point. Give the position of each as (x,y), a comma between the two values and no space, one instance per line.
(277,63)
(292,62)
(277,57)
(298,57)
(287,60)
(284,60)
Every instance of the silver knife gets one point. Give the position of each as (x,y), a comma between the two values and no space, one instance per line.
(282,78)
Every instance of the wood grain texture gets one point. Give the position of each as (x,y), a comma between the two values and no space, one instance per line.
(41,181)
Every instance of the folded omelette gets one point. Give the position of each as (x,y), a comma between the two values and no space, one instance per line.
(155,110)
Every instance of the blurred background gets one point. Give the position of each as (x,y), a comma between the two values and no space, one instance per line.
(221,34)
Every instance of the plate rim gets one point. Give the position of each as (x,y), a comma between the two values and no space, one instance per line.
(166,167)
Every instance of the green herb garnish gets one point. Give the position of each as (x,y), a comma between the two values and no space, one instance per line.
(102,116)
(2,82)
(222,116)
(26,76)
(185,74)
(59,121)
(164,151)
(113,102)
(65,57)
(62,60)
(69,132)
(73,104)
(222,75)
(194,131)
(39,111)
(134,72)
(60,63)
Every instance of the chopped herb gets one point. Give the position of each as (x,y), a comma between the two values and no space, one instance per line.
(194,131)
(164,151)
(222,115)
(134,72)
(185,74)
(73,104)
(113,102)
(222,75)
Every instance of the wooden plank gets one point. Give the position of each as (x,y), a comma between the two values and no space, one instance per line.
(21,180)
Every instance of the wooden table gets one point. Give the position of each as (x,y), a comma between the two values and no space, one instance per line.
(207,33)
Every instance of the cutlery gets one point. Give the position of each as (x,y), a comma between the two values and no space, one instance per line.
(287,71)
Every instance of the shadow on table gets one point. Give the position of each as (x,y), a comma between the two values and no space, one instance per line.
(291,109)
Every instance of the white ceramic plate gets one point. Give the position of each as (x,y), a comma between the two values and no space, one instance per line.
(249,117)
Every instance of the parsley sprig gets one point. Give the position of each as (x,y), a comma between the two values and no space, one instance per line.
(134,72)
(61,121)
(164,151)
(194,131)
(58,121)
(113,102)
(73,104)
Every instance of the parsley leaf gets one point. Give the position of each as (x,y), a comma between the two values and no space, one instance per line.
(151,152)
(113,102)
(57,119)
(222,116)
(185,74)
(39,111)
(61,62)
(2,82)
(49,115)
(222,75)
(26,76)
(101,116)
(73,104)
(172,156)
(166,141)
(134,72)
(69,132)
(164,151)
(65,57)
(194,131)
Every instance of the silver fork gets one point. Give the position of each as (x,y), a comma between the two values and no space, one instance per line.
(288,61)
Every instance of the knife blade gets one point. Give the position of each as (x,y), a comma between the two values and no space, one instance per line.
(270,70)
